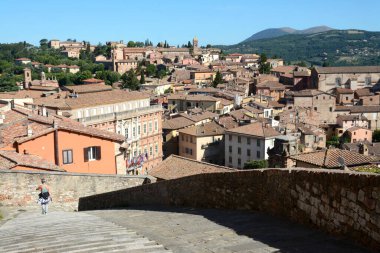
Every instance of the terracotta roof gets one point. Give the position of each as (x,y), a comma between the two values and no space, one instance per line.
(192,97)
(26,160)
(307,93)
(329,158)
(272,85)
(344,91)
(373,148)
(284,69)
(88,88)
(206,129)
(349,69)
(351,117)
(176,123)
(364,109)
(177,166)
(93,80)
(255,129)
(363,92)
(90,99)
(197,117)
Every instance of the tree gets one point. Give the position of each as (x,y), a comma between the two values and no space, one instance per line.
(217,80)
(142,77)
(151,70)
(333,141)
(130,81)
(376,135)
(131,44)
(264,67)
(189,45)
(44,44)
(208,46)
(260,164)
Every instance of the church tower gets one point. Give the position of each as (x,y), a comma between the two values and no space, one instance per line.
(195,42)
(27,78)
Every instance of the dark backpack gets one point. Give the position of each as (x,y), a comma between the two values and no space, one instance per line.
(45,195)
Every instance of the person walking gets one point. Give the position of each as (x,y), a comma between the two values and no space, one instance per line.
(44,196)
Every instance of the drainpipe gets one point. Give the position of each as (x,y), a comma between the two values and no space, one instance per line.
(56,150)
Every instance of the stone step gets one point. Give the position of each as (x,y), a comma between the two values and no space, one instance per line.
(70,232)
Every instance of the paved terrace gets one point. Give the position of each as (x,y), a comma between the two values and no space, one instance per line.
(162,229)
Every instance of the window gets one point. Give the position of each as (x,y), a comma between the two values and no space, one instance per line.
(258,154)
(138,129)
(144,128)
(126,133)
(258,143)
(182,137)
(230,159)
(331,109)
(239,139)
(368,80)
(134,131)
(156,148)
(239,150)
(239,161)
(155,126)
(248,141)
(150,150)
(230,137)
(150,127)
(338,81)
(230,149)
(315,108)
(67,156)
(346,98)
(92,153)
(248,152)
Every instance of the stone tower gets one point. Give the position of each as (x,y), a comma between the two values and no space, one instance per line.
(27,78)
(195,42)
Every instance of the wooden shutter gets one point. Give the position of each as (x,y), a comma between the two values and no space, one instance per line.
(85,151)
(98,153)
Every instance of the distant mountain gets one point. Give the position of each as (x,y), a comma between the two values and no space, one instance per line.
(277,32)
(335,47)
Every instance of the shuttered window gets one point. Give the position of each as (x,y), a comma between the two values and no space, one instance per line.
(67,156)
(92,153)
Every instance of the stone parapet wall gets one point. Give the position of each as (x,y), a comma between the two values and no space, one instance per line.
(18,188)
(341,203)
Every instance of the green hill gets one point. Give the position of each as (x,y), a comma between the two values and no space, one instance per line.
(336,47)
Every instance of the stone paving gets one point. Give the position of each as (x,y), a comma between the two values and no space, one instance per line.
(195,230)
(70,232)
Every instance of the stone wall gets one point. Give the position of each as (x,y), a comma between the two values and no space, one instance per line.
(18,188)
(341,203)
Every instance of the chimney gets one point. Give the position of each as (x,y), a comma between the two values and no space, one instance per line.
(29,131)
(55,124)
(2,118)
(12,104)
(44,111)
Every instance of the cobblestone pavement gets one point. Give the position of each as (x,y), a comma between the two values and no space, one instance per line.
(202,231)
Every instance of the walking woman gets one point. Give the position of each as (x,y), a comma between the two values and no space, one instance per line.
(44,197)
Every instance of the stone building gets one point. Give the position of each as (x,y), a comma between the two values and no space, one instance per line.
(247,143)
(284,147)
(354,77)
(203,143)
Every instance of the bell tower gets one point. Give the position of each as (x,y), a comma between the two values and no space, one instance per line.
(27,78)
(195,42)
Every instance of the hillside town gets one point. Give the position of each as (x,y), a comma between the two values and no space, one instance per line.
(238,111)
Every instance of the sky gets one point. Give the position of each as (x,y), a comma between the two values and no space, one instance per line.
(216,22)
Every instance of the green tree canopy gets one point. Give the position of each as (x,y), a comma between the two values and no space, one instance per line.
(260,164)
(130,81)
(142,77)
(217,80)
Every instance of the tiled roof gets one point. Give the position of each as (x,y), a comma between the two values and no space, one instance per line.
(364,109)
(26,160)
(196,117)
(272,85)
(206,129)
(192,97)
(284,69)
(344,91)
(177,167)
(255,129)
(91,99)
(351,117)
(88,88)
(176,123)
(363,92)
(329,158)
(373,148)
(349,69)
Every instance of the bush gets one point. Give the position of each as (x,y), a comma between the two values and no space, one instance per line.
(261,164)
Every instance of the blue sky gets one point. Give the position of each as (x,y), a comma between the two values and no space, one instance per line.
(177,21)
